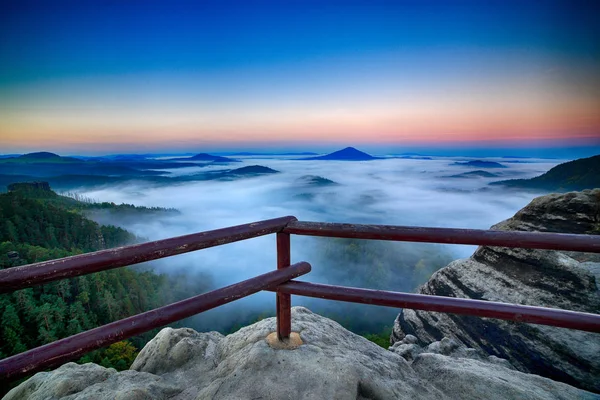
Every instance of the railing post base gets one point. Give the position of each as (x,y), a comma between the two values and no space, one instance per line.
(291,343)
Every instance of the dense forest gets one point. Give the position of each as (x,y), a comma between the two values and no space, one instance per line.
(36,225)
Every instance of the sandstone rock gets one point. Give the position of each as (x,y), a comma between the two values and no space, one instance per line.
(407,351)
(333,363)
(65,381)
(522,276)
(447,347)
(574,212)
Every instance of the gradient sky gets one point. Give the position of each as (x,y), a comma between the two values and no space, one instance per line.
(141,76)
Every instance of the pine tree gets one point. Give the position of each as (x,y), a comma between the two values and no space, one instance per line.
(11,231)
(11,331)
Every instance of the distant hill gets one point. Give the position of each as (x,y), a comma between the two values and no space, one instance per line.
(48,169)
(573,175)
(42,191)
(480,164)
(134,157)
(42,157)
(73,181)
(315,180)
(515,157)
(415,157)
(247,153)
(347,154)
(206,157)
(474,174)
(125,157)
(251,170)
(67,172)
(412,155)
(68,182)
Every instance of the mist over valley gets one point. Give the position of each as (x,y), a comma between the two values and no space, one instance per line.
(392,191)
(156,197)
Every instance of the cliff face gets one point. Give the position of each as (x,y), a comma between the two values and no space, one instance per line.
(332,363)
(521,276)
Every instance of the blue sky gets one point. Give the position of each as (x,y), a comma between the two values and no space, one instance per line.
(113,75)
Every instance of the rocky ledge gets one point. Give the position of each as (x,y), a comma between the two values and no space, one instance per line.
(520,276)
(332,363)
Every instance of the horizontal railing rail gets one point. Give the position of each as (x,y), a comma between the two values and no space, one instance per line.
(75,346)
(43,272)
(280,282)
(530,240)
(479,308)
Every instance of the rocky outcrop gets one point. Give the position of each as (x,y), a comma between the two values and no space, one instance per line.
(522,276)
(332,363)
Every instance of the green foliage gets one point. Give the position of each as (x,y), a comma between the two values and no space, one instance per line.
(45,228)
(118,355)
(380,339)
(12,330)
(39,158)
(77,201)
(580,174)
(39,223)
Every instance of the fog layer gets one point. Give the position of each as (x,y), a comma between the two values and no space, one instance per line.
(390,191)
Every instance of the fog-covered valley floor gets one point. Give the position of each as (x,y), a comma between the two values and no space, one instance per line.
(388,191)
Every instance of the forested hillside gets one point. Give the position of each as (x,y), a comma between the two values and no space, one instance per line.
(580,174)
(37,225)
(44,223)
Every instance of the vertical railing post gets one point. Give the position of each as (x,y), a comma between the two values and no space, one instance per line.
(284,301)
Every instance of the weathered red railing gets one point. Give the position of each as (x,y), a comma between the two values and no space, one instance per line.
(528,240)
(480,308)
(280,281)
(33,274)
(77,345)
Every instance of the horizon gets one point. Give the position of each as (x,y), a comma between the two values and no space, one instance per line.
(143,77)
(566,153)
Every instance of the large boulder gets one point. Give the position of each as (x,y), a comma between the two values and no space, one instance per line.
(332,363)
(522,276)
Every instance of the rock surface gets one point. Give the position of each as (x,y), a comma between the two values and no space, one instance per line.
(522,276)
(333,363)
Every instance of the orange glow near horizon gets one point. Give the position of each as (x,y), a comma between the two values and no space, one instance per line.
(113,114)
(403,124)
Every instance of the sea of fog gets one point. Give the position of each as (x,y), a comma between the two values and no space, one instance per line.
(388,191)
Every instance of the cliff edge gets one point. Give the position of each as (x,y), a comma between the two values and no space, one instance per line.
(333,363)
(522,276)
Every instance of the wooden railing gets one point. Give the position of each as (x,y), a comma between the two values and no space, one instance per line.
(279,281)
